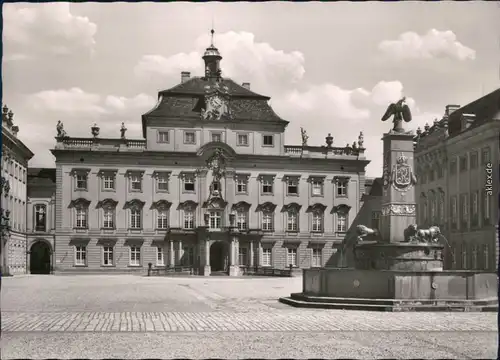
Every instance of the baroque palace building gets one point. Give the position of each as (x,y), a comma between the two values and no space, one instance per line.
(457,164)
(212,187)
(13,197)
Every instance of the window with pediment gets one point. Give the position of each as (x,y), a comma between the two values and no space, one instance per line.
(242,183)
(486,208)
(108,180)
(441,205)
(81,208)
(135,208)
(267,184)
(454,212)
(464,211)
(317,212)
(341,186)
(292,184)
(161,181)
(108,207)
(162,211)
(188,209)
(188,182)
(317,185)
(241,211)
(81,179)
(292,213)
(473,159)
(40,217)
(267,216)
(135,180)
(475,208)
(433,205)
(342,217)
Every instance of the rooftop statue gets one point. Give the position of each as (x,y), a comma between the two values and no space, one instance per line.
(400,111)
(60,129)
(304,135)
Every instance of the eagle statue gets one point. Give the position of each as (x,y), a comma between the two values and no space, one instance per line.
(400,111)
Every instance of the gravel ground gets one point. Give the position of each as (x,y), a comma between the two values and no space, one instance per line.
(133,317)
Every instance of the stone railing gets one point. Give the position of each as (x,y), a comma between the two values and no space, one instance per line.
(85,143)
(322,151)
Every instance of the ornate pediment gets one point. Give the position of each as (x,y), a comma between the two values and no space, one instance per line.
(215,203)
(80,171)
(188,205)
(291,207)
(134,204)
(80,203)
(319,178)
(341,209)
(266,207)
(161,205)
(134,172)
(341,179)
(241,206)
(269,177)
(316,208)
(291,178)
(107,204)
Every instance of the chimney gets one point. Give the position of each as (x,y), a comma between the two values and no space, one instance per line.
(450,109)
(246,85)
(185,75)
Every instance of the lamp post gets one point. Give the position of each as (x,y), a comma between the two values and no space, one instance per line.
(4,225)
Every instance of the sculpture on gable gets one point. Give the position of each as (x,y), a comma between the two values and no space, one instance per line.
(399,111)
(60,129)
(216,105)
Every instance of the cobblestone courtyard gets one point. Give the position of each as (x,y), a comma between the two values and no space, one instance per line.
(139,317)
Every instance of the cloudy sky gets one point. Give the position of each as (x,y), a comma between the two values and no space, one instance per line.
(328,67)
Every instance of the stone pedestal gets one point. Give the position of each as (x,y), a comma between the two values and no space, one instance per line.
(399,207)
(400,257)
(234,270)
(206,270)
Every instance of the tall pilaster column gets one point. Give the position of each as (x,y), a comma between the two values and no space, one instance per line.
(179,253)
(206,268)
(259,253)
(234,269)
(251,254)
(172,254)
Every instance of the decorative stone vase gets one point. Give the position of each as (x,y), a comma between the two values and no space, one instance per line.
(95,130)
(329,140)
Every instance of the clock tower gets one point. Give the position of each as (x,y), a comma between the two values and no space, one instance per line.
(212,60)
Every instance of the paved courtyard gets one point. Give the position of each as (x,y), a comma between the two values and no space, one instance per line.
(218,317)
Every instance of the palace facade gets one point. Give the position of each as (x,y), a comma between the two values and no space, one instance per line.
(212,187)
(457,164)
(13,202)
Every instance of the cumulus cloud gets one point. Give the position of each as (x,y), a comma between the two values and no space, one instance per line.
(120,103)
(433,44)
(244,59)
(47,28)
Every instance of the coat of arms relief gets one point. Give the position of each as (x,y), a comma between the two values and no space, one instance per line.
(216,104)
(402,177)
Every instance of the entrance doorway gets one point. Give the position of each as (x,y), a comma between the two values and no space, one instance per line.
(40,258)
(219,256)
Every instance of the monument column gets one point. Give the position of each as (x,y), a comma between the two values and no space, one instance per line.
(207,269)
(233,256)
(398,200)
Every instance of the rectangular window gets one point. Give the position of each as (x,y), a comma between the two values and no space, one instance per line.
(342,188)
(486,257)
(486,208)
(465,210)
(189,137)
(188,219)
(317,222)
(160,256)
(475,208)
(163,137)
(242,140)
(108,182)
(463,163)
(485,155)
(473,160)
(292,221)
(162,183)
(291,258)
(108,219)
(216,137)
(81,218)
(81,182)
(135,256)
(341,222)
(464,257)
(135,219)
(40,217)
(267,186)
(268,140)
(317,187)
(215,219)
(80,255)
(135,182)
(292,187)
(441,207)
(453,167)
(107,253)
(242,220)
(474,257)
(162,219)
(454,213)
(241,185)
(266,256)
(440,172)
(267,221)
(188,184)
(376,219)
(242,256)
(316,258)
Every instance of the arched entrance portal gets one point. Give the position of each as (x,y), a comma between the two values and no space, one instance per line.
(40,258)
(219,259)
